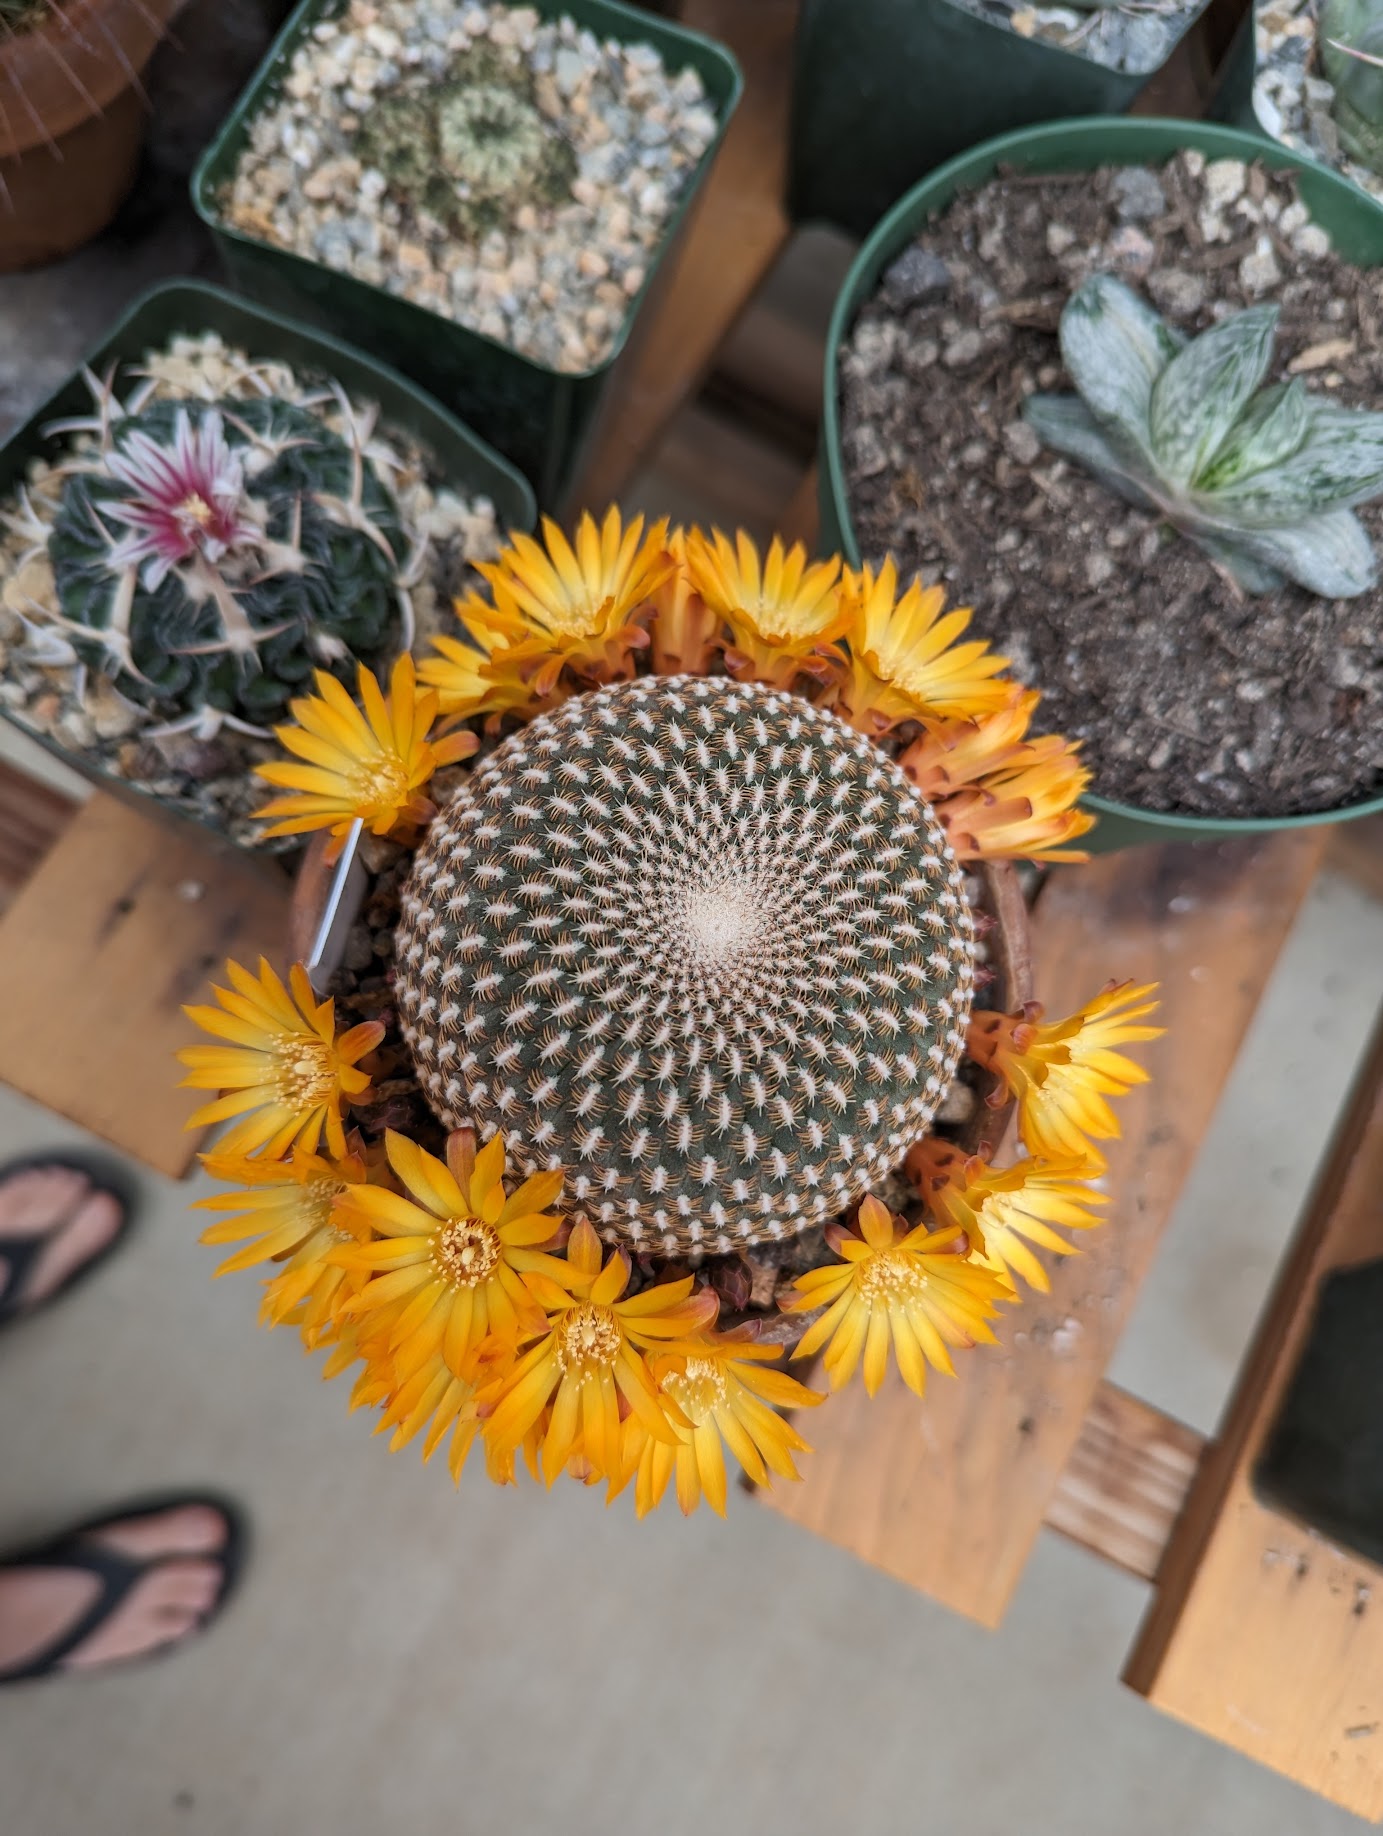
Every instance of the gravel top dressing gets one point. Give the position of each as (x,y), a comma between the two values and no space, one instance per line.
(1134,38)
(512,173)
(1190,695)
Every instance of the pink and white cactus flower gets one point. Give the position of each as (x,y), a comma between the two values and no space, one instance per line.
(188,501)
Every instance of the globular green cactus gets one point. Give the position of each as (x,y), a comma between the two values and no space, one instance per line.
(701,944)
(472,151)
(1262,478)
(1351,41)
(209,557)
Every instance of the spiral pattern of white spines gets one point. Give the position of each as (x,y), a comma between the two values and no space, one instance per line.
(697,942)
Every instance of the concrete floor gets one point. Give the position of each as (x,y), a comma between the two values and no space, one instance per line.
(405,1658)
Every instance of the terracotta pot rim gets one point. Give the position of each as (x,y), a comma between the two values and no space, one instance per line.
(65,69)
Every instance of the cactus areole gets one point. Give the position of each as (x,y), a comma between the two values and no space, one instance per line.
(701,944)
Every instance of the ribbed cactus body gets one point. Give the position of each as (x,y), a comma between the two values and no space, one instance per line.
(699,943)
(1351,39)
(311,573)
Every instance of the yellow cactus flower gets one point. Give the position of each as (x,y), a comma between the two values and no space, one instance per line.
(727,1396)
(684,632)
(590,1357)
(1002,1210)
(948,755)
(284,1209)
(783,613)
(451,1254)
(563,605)
(1063,1072)
(1027,811)
(368,767)
(904,659)
(910,1286)
(282,1066)
(476,675)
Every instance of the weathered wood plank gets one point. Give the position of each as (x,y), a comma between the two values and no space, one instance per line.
(32,816)
(732,239)
(1122,1489)
(948,1495)
(122,923)
(1263,1634)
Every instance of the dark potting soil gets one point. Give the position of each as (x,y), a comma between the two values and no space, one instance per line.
(1188,695)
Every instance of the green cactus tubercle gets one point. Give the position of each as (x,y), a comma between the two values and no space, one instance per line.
(1351,42)
(219,554)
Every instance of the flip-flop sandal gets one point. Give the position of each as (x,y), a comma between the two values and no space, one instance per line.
(20,1254)
(118,1573)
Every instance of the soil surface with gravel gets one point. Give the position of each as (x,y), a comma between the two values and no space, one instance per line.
(1188,695)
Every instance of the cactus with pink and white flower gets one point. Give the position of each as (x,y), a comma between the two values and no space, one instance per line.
(208,557)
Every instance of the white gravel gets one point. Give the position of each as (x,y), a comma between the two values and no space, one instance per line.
(554,279)
(1292,97)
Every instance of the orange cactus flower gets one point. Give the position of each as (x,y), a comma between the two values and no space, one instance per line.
(1064,1071)
(909,1286)
(592,1356)
(281,1066)
(784,613)
(905,661)
(1004,1209)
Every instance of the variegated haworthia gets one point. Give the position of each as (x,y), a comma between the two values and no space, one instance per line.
(1264,479)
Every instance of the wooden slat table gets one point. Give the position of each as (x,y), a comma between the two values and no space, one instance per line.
(1262,1633)
(110,920)
(949,1497)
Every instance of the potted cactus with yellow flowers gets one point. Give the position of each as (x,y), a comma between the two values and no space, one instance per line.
(661,1051)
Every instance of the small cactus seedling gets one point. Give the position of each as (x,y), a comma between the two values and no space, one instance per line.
(1351,37)
(209,557)
(473,151)
(1264,479)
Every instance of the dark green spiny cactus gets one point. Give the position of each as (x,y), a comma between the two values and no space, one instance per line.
(701,944)
(209,558)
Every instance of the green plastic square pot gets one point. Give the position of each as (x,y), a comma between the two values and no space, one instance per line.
(1353,221)
(465,462)
(1233,100)
(536,416)
(885,90)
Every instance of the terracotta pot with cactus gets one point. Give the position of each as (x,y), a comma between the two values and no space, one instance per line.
(71,118)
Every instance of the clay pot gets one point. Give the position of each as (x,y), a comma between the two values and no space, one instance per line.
(71,122)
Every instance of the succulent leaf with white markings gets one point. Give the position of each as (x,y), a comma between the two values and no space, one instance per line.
(1263,478)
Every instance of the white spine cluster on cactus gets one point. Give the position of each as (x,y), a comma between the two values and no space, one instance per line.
(701,944)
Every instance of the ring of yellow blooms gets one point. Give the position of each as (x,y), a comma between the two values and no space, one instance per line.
(474,1310)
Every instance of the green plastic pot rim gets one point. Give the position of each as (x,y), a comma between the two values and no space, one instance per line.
(887,235)
(638,21)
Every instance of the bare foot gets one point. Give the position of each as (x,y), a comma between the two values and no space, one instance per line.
(172,1600)
(60,1204)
